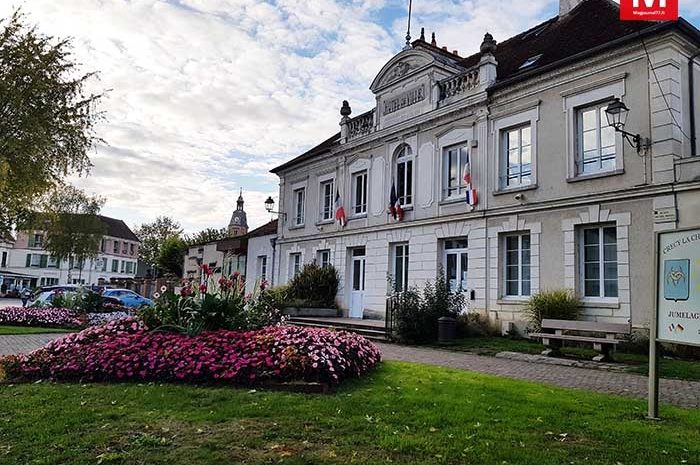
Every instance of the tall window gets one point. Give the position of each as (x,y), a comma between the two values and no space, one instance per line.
(404,175)
(36,240)
(595,139)
(517,157)
(454,161)
(517,265)
(3,262)
(132,249)
(598,258)
(262,267)
(359,193)
(324,258)
(115,246)
(299,200)
(295,263)
(400,268)
(327,200)
(456,264)
(115,266)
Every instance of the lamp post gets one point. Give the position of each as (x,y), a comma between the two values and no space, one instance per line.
(270,204)
(616,114)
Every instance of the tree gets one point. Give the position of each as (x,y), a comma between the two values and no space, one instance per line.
(153,235)
(172,254)
(73,231)
(47,119)
(207,235)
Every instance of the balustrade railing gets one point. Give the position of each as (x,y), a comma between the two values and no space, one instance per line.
(459,84)
(361,125)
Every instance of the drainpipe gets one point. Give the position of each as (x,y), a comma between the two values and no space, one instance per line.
(691,96)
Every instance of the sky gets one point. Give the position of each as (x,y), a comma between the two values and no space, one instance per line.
(204,97)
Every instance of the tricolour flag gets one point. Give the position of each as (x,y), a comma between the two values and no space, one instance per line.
(471,198)
(395,209)
(339,210)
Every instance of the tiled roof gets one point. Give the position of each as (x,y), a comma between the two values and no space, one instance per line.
(591,27)
(264,230)
(117,228)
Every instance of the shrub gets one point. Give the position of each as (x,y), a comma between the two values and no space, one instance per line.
(314,286)
(210,306)
(126,350)
(475,324)
(559,304)
(416,315)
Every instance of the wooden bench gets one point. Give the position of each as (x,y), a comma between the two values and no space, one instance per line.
(555,332)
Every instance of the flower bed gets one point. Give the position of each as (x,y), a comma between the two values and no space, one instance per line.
(47,317)
(55,317)
(125,350)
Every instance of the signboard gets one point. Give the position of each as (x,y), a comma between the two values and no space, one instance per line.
(678,281)
(665,215)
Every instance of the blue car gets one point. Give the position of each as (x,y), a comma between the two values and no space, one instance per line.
(127,297)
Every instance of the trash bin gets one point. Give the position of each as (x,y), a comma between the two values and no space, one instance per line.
(447,330)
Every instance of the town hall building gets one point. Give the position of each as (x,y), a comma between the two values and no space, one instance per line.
(508,169)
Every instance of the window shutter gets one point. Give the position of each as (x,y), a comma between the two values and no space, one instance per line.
(43,261)
(29,260)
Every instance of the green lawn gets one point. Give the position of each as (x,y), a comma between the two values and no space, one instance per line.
(6,330)
(402,413)
(491,345)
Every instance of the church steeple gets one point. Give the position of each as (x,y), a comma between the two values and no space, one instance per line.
(238,225)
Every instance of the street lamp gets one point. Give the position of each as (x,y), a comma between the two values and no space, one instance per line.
(616,114)
(270,204)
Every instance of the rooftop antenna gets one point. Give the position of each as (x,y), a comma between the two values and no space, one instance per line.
(408,29)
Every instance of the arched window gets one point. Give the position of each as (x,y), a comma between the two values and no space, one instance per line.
(404,175)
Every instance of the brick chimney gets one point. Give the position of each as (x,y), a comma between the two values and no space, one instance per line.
(565,6)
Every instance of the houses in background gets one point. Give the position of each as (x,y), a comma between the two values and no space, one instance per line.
(25,262)
(250,254)
(502,169)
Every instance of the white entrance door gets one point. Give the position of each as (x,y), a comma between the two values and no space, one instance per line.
(357,292)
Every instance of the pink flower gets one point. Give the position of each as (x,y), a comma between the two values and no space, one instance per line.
(203,288)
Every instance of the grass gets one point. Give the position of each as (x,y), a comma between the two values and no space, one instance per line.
(8,330)
(401,413)
(491,345)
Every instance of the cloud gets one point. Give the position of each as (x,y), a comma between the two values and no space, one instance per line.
(208,95)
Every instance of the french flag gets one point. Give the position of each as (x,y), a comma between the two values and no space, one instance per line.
(339,210)
(395,209)
(471,198)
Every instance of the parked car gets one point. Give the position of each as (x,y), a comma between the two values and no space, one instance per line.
(127,297)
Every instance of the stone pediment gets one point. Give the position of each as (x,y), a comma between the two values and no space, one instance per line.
(401,66)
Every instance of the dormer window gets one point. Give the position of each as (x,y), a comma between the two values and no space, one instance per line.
(404,175)
(530,61)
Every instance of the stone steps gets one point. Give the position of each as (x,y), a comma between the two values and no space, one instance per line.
(374,332)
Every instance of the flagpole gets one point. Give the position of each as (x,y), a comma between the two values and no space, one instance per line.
(408,28)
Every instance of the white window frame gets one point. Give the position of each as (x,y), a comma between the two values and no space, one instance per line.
(295,264)
(527,114)
(321,254)
(460,150)
(115,266)
(520,293)
(359,209)
(458,252)
(262,267)
(601,124)
(400,254)
(508,180)
(299,196)
(605,89)
(115,246)
(403,156)
(326,200)
(601,262)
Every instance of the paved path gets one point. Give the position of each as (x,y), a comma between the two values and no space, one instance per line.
(22,344)
(676,392)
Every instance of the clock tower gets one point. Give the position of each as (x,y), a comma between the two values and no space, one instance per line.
(238,225)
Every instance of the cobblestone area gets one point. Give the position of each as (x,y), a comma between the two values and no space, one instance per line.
(676,392)
(22,344)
